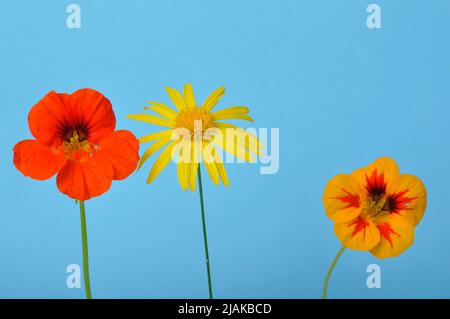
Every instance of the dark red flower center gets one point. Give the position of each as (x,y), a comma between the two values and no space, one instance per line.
(67,131)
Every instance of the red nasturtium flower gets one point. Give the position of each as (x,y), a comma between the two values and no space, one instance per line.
(75,138)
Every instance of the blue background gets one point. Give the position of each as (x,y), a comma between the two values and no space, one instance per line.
(341,94)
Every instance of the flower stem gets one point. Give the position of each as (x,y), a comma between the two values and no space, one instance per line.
(327,278)
(205,238)
(87,285)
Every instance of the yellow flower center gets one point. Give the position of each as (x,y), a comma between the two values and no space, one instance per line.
(374,208)
(195,120)
(76,142)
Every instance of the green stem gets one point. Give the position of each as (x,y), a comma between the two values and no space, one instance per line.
(87,285)
(205,238)
(327,278)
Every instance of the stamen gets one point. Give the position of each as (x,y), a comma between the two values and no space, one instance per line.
(75,143)
(375,208)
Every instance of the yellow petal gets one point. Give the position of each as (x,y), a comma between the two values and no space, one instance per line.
(196,152)
(230,116)
(359,234)
(154,136)
(397,235)
(245,139)
(221,169)
(232,110)
(407,197)
(343,198)
(162,110)
(193,167)
(226,125)
(378,175)
(188,94)
(212,99)
(176,98)
(247,143)
(150,119)
(210,165)
(182,174)
(161,162)
(252,138)
(228,143)
(152,150)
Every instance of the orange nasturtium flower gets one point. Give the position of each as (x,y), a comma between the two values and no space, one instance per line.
(375,208)
(204,136)
(75,138)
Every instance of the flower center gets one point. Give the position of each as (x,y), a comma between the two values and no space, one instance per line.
(76,141)
(195,120)
(376,207)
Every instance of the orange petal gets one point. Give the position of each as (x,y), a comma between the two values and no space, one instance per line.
(359,234)
(408,197)
(47,117)
(343,198)
(85,178)
(378,176)
(37,160)
(397,234)
(94,110)
(121,150)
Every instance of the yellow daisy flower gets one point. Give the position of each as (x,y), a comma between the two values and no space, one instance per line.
(205,132)
(195,133)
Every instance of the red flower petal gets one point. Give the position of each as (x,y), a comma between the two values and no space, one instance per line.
(37,160)
(85,178)
(56,115)
(47,117)
(121,150)
(94,111)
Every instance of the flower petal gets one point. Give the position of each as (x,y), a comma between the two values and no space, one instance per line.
(235,112)
(221,168)
(37,160)
(230,143)
(378,176)
(188,94)
(46,118)
(209,162)
(86,178)
(162,110)
(121,150)
(212,99)
(193,165)
(163,159)
(397,234)
(359,234)
(182,174)
(408,198)
(245,139)
(54,113)
(154,136)
(151,119)
(155,147)
(92,108)
(343,198)
(176,98)
(232,110)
